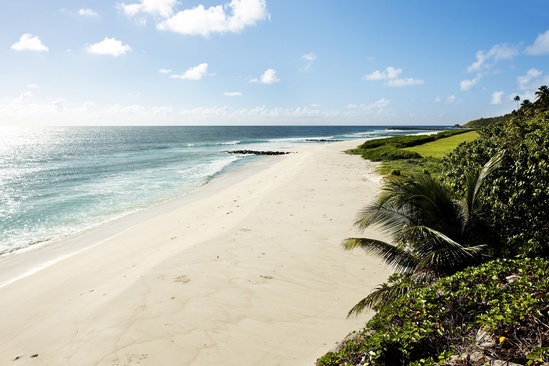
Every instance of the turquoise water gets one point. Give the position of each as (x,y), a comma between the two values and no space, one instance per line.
(58,181)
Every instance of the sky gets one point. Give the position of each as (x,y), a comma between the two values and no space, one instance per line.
(269,62)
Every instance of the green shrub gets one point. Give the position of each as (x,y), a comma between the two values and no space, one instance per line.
(509,299)
(388,153)
(517,205)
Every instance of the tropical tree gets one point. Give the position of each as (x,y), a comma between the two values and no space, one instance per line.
(432,234)
(542,98)
(517,99)
(526,107)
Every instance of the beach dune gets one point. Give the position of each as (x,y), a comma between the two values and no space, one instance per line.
(248,270)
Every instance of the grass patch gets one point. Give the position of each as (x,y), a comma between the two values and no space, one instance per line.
(407,155)
(408,167)
(443,146)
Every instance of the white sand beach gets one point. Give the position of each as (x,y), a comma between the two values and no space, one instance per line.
(248,270)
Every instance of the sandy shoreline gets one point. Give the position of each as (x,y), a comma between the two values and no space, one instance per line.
(248,271)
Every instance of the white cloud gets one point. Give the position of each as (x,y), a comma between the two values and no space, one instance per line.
(59,104)
(232,94)
(377,106)
(310,58)
(468,84)
(23,96)
(405,82)
(530,80)
(268,77)
(87,106)
(496,97)
(127,109)
(496,53)
(233,17)
(87,12)
(28,42)
(391,74)
(109,46)
(451,99)
(540,46)
(193,73)
(162,110)
(165,71)
(163,8)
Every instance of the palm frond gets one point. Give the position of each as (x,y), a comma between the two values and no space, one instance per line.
(383,295)
(401,260)
(436,251)
(386,218)
(475,180)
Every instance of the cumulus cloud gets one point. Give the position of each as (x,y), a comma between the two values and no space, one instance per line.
(193,73)
(496,53)
(233,17)
(232,94)
(268,77)
(87,12)
(28,42)
(468,84)
(165,71)
(496,97)
(163,8)
(109,46)
(540,46)
(391,75)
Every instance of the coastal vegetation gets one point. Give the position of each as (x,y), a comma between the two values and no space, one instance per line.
(433,234)
(399,147)
(469,248)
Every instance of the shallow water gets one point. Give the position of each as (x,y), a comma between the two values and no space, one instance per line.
(58,181)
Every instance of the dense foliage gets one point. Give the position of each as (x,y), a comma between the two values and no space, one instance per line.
(499,310)
(432,234)
(485,122)
(517,205)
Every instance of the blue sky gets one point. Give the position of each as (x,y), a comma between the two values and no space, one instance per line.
(268,62)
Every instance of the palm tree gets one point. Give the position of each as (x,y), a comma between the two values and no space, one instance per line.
(542,97)
(433,233)
(526,107)
(517,99)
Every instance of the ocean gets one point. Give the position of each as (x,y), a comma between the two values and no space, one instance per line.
(59,181)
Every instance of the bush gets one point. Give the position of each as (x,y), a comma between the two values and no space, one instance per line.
(506,300)
(388,153)
(517,205)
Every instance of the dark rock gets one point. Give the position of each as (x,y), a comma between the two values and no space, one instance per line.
(322,140)
(256,152)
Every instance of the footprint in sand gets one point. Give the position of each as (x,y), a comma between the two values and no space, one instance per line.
(131,359)
(182,279)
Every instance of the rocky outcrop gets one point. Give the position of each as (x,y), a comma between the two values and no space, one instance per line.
(322,140)
(258,152)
